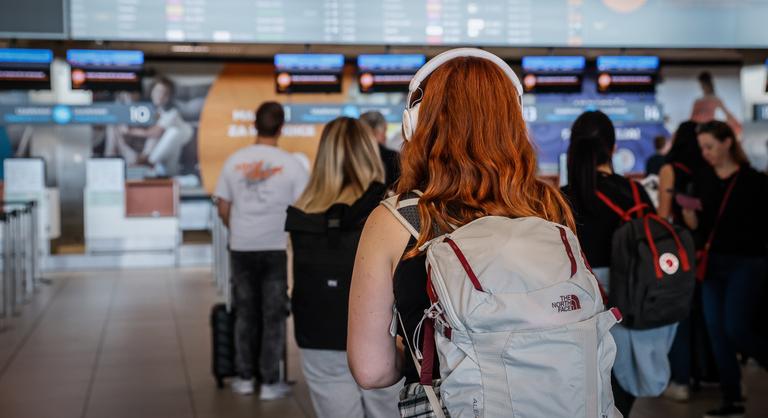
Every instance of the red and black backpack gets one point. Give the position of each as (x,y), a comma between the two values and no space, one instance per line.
(652,277)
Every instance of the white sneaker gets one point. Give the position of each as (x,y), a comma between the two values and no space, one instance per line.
(677,392)
(242,386)
(274,391)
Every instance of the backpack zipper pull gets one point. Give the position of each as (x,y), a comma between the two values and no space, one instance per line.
(393,324)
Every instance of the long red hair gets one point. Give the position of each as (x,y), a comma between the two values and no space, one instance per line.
(470,153)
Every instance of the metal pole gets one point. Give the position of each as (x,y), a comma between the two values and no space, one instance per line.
(29,285)
(6,285)
(33,245)
(215,249)
(15,273)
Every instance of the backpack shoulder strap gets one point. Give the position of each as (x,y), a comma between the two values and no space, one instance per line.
(405,208)
(613,206)
(626,215)
(682,167)
(639,205)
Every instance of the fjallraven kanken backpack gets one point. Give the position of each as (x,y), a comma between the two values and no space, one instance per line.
(517,320)
(652,277)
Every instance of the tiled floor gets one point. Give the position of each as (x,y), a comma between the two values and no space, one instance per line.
(136,344)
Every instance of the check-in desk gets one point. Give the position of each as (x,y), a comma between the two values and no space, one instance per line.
(129,216)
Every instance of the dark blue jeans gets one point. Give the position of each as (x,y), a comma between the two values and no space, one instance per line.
(680,354)
(260,290)
(691,357)
(731,294)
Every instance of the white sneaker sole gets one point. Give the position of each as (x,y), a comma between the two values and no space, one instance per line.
(272,397)
(243,392)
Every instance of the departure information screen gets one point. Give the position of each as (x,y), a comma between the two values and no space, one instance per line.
(611,23)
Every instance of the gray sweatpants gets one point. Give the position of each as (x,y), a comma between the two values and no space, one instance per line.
(261,306)
(335,393)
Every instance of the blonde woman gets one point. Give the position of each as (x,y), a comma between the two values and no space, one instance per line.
(345,186)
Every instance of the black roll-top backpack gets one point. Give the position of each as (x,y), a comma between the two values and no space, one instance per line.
(324,247)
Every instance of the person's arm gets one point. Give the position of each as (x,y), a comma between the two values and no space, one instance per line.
(224,195)
(732,121)
(225,208)
(373,356)
(691,219)
(167,119)
(151,132)
(666,190)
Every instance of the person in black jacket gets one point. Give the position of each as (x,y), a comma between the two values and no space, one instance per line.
(325,226)
(731,225)
(590,169)
(390,159)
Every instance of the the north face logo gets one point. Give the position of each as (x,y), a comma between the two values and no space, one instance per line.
(567,303)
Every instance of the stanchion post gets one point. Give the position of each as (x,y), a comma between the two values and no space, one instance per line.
(6,285)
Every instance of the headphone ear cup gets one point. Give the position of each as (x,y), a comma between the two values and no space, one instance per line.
(410,117)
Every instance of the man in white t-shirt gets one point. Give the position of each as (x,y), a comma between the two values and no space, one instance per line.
(255,188)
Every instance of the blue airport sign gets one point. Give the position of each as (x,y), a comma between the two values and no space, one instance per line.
(97,114)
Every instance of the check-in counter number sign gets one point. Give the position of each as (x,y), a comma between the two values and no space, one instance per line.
(140,114)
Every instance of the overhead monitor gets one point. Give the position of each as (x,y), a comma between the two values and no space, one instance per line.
(33,19)
(760,112)
(627,74)
(516,23)
(766,79)
(308,73)
(25,69)
(387,73)
(99,69)
(553,74)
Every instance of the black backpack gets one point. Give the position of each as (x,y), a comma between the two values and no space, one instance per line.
(652,277)
(324,247)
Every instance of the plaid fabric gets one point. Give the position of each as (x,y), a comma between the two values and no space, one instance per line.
(414,402)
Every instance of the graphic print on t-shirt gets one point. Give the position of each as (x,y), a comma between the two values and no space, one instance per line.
(255,174)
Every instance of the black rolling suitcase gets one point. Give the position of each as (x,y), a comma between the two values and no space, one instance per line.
(223,339)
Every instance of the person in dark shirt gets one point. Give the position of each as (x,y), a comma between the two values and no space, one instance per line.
(656,161)
(390,158)
(731,223)
(590,169)
(690,355)
(465,174)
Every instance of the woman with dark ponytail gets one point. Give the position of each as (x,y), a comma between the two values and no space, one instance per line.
(590,170)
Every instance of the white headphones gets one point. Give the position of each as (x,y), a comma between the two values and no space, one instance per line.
(411,112)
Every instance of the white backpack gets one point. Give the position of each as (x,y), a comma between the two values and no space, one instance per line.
(518,321)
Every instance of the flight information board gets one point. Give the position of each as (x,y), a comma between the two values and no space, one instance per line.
(617,23)
(33,19)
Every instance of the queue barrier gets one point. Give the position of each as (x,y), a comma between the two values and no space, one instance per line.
(21,259)
(221,267)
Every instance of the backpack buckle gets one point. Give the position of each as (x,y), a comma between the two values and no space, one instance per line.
(443,327)
(432,241)
(433,311)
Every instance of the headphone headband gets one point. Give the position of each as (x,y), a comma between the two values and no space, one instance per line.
(411,112)
(446,56)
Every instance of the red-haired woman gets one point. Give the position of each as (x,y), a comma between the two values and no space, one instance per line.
(471,157)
